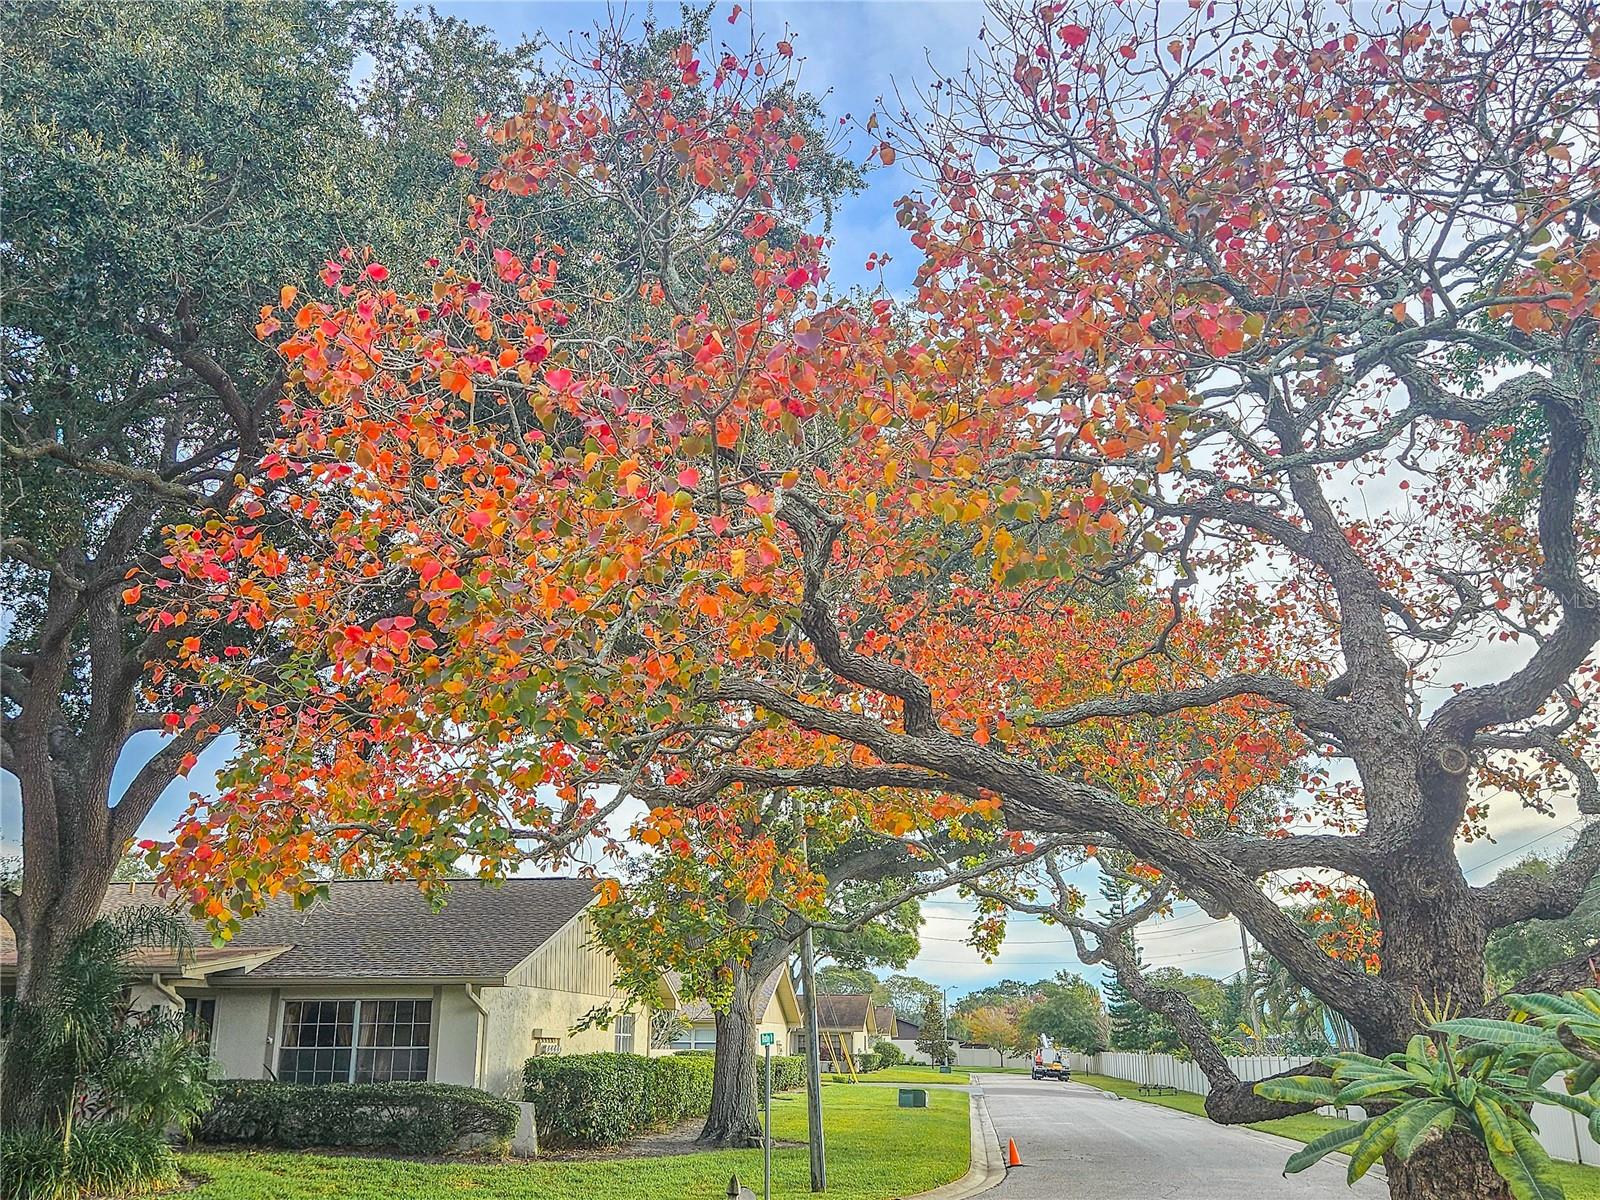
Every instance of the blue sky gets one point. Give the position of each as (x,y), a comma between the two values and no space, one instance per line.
(852,53)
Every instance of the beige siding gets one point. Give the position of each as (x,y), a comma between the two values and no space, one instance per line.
(569,963)
(458,1042)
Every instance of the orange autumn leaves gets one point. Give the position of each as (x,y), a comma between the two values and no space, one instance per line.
(492,578)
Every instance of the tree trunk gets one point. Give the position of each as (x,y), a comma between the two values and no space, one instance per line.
(734,1119)
(45,919)
(1453,1168)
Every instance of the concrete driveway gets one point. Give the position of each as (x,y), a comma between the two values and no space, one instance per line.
(1076,1141)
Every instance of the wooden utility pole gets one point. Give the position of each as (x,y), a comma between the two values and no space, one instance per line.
(808,972)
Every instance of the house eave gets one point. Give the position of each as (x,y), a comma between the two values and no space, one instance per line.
(257,979)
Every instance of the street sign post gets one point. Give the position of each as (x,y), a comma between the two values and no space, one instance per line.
(766,1141)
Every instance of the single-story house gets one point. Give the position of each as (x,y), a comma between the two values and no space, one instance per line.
(374,984)
(777,1012)
(847,1018)
(885,1019)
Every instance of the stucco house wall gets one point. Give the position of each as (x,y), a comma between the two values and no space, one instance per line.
(548,995)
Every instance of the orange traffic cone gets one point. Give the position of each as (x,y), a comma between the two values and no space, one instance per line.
(1013,1159)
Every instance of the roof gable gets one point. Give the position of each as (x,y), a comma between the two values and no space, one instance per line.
(700,1011)
(884,1019)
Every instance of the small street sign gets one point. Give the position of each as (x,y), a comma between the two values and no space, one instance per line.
(768,1038)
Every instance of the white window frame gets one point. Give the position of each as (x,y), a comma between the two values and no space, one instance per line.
(355,1047)
(623,1029)
(696,1037)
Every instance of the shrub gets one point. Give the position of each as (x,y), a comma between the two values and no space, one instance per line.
(415,1118)
(159,1076)
(588,1099)
(889,1055)
(788,1073)
(867,1062)
(104,1158)
(679,1088)
(600,1099)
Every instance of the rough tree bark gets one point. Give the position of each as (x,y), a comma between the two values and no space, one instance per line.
(74,830)
(734,1119)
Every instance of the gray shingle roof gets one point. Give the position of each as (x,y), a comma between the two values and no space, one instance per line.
(371,929)
(842,1011)
(883,1015)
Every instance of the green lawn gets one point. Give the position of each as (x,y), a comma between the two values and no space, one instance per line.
(1579,1183)
(868,1136)
(910,1073)
(913,1074)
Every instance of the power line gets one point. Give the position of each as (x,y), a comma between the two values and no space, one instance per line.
(1549,833)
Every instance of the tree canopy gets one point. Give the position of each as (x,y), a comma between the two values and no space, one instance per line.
(1248,387)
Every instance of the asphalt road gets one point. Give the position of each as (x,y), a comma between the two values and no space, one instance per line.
(1077,1142)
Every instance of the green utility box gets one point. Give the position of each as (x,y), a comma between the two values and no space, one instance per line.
(913,1098)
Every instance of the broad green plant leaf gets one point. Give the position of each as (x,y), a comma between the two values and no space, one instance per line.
(1525,1166)
(1334,1139)
(1415,1119)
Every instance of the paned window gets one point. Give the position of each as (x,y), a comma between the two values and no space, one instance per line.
(623,1028)
(696,1037)
(199,1016)
(355,1041)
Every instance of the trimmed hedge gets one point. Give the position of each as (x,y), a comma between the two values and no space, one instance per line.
(105,1158)
(412,1118)
(867,1061)
(679,1088)
(788,1073)
(889,1055)
(590,1099)
(602,1099)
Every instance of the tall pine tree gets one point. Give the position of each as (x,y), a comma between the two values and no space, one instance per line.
(1133,1027)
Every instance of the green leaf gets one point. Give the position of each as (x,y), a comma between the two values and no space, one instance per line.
(1298,1089)
(1374,1144)
(1500,1033)
(1539,1004)
(1498,1128)
(1334,1139)
(1389,1085)
(1582,1105)
(1414,1120)
(1526,1167)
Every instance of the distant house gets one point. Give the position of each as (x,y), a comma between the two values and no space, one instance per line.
(885,1020)
(846,1020)
(906,1034)
(373,984)
(777,1013)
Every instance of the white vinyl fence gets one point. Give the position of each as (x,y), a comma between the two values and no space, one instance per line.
(1560,1132)
(968,1056)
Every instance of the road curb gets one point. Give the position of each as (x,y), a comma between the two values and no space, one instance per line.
(987,1169)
